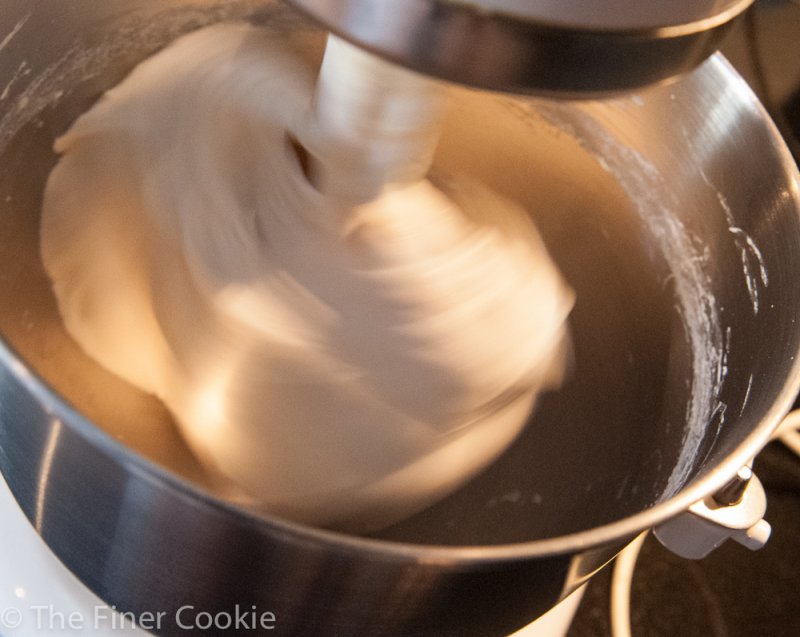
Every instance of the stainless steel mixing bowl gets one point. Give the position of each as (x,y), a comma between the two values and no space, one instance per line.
(674,215)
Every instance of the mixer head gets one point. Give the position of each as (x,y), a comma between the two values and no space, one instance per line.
(553,47)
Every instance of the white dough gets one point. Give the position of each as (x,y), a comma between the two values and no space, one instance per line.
(342,366)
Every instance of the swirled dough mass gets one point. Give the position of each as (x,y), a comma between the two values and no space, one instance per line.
(342,366)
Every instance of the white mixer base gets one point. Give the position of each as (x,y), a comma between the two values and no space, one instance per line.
(39,596)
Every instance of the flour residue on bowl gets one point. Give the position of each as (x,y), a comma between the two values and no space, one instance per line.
(686,256)
(17,28)
(32,88)
(753,267)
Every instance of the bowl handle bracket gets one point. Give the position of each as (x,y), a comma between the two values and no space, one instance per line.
(734,512)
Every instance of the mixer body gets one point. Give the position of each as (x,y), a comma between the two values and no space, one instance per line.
(673,214)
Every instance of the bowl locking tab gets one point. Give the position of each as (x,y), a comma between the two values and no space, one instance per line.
(734,512)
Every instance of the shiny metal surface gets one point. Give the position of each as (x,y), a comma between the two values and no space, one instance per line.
(574,47)
(616,187)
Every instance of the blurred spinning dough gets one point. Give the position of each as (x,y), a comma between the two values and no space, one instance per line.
(343,366)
